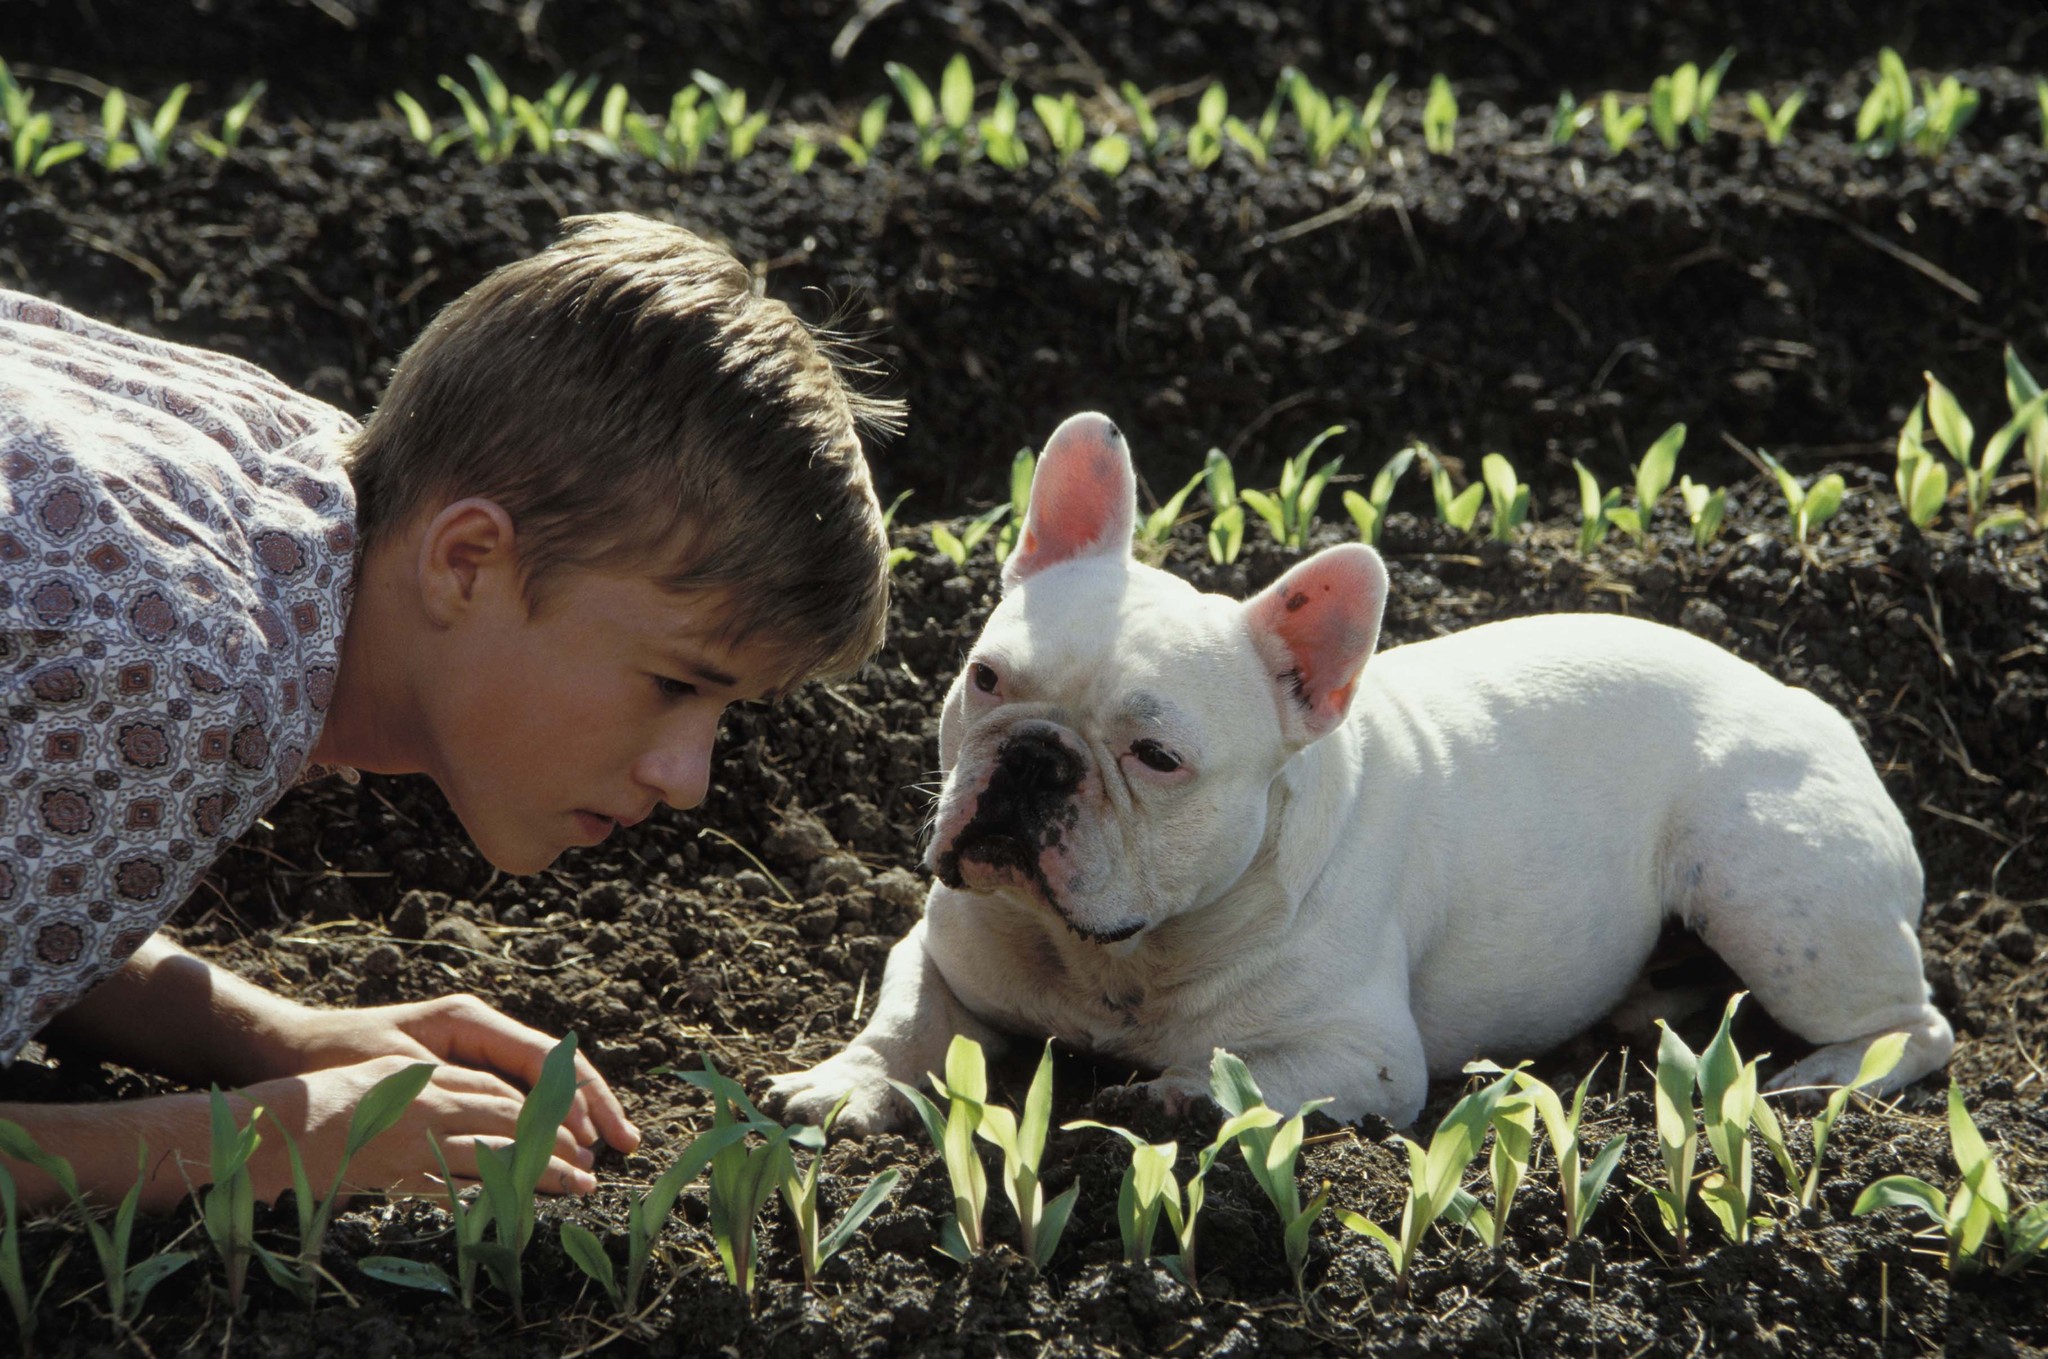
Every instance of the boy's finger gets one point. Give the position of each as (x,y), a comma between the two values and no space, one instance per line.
(482,1035)
(605,1109)
(560,1177)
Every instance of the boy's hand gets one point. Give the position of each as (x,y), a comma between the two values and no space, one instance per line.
(466,1032)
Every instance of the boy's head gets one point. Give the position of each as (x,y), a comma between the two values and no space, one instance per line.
(635,407)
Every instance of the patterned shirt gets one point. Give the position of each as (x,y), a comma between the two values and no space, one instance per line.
(177,554)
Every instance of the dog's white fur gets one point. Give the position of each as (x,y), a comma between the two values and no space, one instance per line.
(1357,880)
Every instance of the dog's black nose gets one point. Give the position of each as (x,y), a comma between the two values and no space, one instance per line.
(1036,760)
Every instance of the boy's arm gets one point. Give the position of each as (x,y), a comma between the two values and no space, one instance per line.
(169,1011)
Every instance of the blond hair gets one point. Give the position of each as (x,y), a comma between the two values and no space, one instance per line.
(632,404)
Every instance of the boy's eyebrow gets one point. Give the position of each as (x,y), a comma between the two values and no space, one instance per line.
(698,669)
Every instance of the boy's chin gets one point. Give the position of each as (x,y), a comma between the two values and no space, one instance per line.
(519,856)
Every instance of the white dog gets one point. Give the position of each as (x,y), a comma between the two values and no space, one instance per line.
(1173,822)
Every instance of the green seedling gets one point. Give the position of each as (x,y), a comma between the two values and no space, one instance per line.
(1256,139)
(1580,1183)
(1290,510)
(376,1114)
(1682,100)
(815,1246)
(509,1177)
(1775,122)
(1111,154)
(1369,129)
(1595,509)
(232,124)
(420,127)
(1434,1176)
(1653,477)
(116,151)
(1147,123)
(1459,509)
(1890,118)
(1809,506)
(2020,390)
(999,137)
(1569,116)
(228,1208)
(1618,125)
(13,1281)
(1508,494)
(1878,1060)
(494,130)
(2041,98)
(645,1217)
(1959,436)
(957,548)
(965,1090)
(1064,127)
(742,129)
(1205,134)
(128,1285)
(898,554)
(1226,519)
(1023,470)
(1148,1186)
(556,118)
(1678,1130)
(1440,118)
(940,120)
(1704,510)
(1022,1142)
(681,139)
(860,147)
(1156,529)
(1731,1107)
(1507,1166)
(803,154)
(1269,1148)
(153,135)
(1921,477)
(29,132)
(744,1178)
(1369,512)
(1325,125)
(1967,1214)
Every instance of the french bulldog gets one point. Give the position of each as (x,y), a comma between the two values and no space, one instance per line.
(1172,822)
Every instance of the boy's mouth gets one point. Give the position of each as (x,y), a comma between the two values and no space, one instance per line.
(594,826)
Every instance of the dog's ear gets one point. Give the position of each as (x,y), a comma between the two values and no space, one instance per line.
(1084,499)
(1316,627)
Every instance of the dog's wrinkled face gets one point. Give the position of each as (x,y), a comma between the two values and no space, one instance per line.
(1109,743)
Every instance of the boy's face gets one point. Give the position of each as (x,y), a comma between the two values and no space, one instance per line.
(555,726)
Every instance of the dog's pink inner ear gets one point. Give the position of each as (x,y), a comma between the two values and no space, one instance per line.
(1084,498)
(1317,626)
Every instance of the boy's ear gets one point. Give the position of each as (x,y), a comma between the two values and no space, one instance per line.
(468,540)
(1315,628)
(1084,499)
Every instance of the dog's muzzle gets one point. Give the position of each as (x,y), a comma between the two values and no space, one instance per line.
(1026,808)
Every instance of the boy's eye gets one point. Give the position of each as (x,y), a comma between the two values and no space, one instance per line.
(674,688)
(1156,756)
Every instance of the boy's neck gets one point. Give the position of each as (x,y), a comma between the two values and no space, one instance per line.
(372,722)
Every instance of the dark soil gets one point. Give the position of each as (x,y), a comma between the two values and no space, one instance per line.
(1546,304)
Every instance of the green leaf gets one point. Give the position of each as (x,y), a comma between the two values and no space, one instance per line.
(917,96)
(1463,508)
(1364,516)
(1823,498)
(1231,1084)
(1111,154)
(951,547)
(1268,509)
(587,1254)
(1951,426)
(1594,1181)
(1654,473)
(1927,491)
(956,92)
(1902,1191)
(1973,1156)
(863,1207)
(418,1274)
(966,1069)
(1053,1223)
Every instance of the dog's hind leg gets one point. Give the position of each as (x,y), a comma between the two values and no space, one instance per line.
(1822,931)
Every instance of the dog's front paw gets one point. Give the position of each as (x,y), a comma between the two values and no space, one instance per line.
(1180,1090)
(859,1075)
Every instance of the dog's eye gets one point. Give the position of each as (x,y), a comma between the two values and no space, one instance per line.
(984,677)
(1156,756)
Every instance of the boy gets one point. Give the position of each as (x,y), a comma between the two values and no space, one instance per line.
(537,575)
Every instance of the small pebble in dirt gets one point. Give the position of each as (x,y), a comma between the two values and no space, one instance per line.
(1704,618)
(800,839)
(383,961)
(604,900)
(415,911)
(453,929)
(898,888)
(330,899)
(753,884)
(835,874)
(605,941)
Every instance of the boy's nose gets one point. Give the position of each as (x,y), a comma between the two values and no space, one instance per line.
(679,769)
